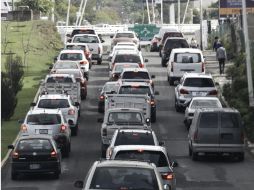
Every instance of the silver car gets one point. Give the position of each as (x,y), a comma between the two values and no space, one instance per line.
(70,110)
(48,122)
(118,174)
(197,103)
(193,85)
(155,154)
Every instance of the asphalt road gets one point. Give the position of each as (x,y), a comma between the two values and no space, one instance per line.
(211,173)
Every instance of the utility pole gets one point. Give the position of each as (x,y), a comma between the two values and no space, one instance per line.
(161,11)
(148,12)
(82,14)
(201,24)
(179,14)
(67,19)
(153,12)
(79,12)
(53,11)
(247,50)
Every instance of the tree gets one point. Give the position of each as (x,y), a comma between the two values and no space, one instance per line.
(8,97)
(37,5)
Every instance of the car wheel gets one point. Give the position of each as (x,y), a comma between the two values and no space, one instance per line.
(99,61)
(100,110)
(176,106)
(103,150)
(190,151)
(240,156)
(14,175)
(194,156)
(74,130)
(153,117)
(83,96)
(56,175)
(171,82)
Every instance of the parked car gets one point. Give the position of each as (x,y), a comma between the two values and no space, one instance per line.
(35,154)
(171,43)
(118,174)
(76,56)
(118,69)
(132,137)
(94,43)
(155,154)
(193,85)
(198,103)
(183,60)
(70,110)
(108,88)
(48,122)
(216,130)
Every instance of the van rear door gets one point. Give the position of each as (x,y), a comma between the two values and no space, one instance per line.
(231,132)
(208,130)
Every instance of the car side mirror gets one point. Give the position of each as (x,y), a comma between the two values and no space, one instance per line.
(10,146)
(156,93)
(161,143)
(21,121)
(70,122)
(33,104)
(174,164)
(146,60)
(153,76)
(69,40)
(111,36)
(76,104)
(100,120)
(51,66)
(68,35)
(79,184)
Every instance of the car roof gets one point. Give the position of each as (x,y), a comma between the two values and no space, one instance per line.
(124,52)
(46,111)
(39,136)
(85,35)
(120,43)
(129,83)
(197,75)
(135,70)
(127,63)
(59,75)
(66,61)
(123,109)
(135,131)
(139,147)
(205,98)
(54,96)
(175,38)
(76,44)
(72,51)
(232,110)
(125,163)
(186,50)
(67,71)
(125,32)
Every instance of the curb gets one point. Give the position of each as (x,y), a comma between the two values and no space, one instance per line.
(4,161)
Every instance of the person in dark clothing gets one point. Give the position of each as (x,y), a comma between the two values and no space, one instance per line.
(221,55)
(215,44)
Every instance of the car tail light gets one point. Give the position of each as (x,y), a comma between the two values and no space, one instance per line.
(71,112)
(167,176)
(183,91)
(83,62)
(15,154)
(213,92)
(172,67)
(104,132)
(102,97)
(203,67)
(63,129)
(53,154)
(23,128)
(99,50)
(141,65)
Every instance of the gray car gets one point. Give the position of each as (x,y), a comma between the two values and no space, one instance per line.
(118,174)
(216,130)
(48,122)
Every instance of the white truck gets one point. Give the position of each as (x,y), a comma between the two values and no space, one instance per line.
(61,83)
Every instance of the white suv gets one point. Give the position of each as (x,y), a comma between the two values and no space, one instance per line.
(183,60)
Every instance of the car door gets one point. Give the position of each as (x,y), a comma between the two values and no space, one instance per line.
(231,132)
(208,129)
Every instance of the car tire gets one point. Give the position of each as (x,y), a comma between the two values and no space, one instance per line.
(83,96)
(194,156)
(66,151)
(177,107)
(163,64)
(240,156)
(56,175)
(74,130)
(153,117)
(99,61)
(171,82)
(100,110)
(14,175)
(103,150)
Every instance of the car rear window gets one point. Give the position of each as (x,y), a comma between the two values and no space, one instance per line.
(205,104)
(125,118)
(110,87)
(171,34)
(156,157)
(208,120)
(119,68)
(66,65)
(85,39)
(71,56)
(229,120)
(135,75)
(132,58)
(32,145)
(77,47)
(135,90)
(187,58)
(124,35)
(176,43)
(198,82)
(53,103)
(59,80)
(82,31)
(43,119)
(134,138)
(124,178)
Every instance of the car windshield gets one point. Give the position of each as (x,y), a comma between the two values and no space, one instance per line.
(128,58)
(85,39)
(135,75)
(71,56)
(59,80)
(66,65)
(135,90)
(43,119)
(125,178)
(156,157)
(125,118)
(53,103)
(124,35)
(134,138)
(32,145)
(187,58)
(198,82)
(205,104)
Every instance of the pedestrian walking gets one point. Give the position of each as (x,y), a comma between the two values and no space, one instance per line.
(221,55)
(216,43)
(193,43)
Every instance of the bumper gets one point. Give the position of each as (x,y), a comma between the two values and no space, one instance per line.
(43,167)
(217,148)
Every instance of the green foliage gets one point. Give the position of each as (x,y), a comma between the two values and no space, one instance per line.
(107,16)
(37,5)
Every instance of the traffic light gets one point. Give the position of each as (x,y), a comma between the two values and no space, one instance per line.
(209,27)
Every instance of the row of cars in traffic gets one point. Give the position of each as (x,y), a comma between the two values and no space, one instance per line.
(135,158)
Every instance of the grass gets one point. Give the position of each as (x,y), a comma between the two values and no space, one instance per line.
(43,47)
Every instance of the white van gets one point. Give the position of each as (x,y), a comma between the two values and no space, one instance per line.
(184,60)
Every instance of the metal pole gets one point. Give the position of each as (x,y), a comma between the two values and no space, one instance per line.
(83,12)
(179,14)
(153,12)
(67,20)
(53,11)
(79,11)
(161,11)
(148,12)
(187,5)
(201,24)
(247,50)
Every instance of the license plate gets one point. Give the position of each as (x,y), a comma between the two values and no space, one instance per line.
(34,166)
(198,93)
(43,131)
